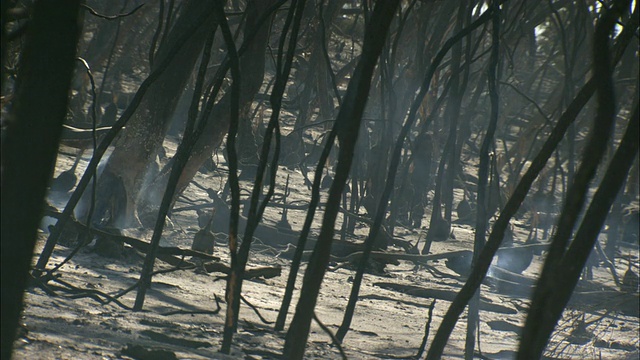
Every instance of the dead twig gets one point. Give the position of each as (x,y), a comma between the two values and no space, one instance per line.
(255,309)
(79,293)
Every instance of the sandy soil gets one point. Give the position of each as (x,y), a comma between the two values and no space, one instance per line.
(389,322)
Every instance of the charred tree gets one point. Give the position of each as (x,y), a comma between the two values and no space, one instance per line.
(348,122)
(393,169)
(143,136)
(191,135)
(46,68)
(252,64)
(483,173)
(240,257)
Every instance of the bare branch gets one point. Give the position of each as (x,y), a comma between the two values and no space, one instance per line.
(111,17)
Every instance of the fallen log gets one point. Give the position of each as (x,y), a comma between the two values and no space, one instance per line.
(272,236)
(168,254)
(415,258)
(387,256)
(137,244)
(266,272)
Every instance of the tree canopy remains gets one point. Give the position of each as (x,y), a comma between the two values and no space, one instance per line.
(320,179)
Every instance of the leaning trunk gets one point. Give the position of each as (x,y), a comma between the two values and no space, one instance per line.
(30,144)
(124,173)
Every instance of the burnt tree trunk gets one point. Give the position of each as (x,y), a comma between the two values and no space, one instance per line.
(452,114)
(252,63)
(391,175)
(30,144)
(240,257)
(348,122)
(586,237)
(483,175)
(144,134)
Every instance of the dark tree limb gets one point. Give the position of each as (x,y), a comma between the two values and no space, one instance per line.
(283,68)
(348,126)
(111,17)
(191,135)
(234,63)
(30,144)
(79,293)
(393,169)
(483,199)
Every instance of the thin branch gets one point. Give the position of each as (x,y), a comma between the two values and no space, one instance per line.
(111,17)
(156,34)
(546,117)
(334,339)
(79,293)
(255,309)
(427,327)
